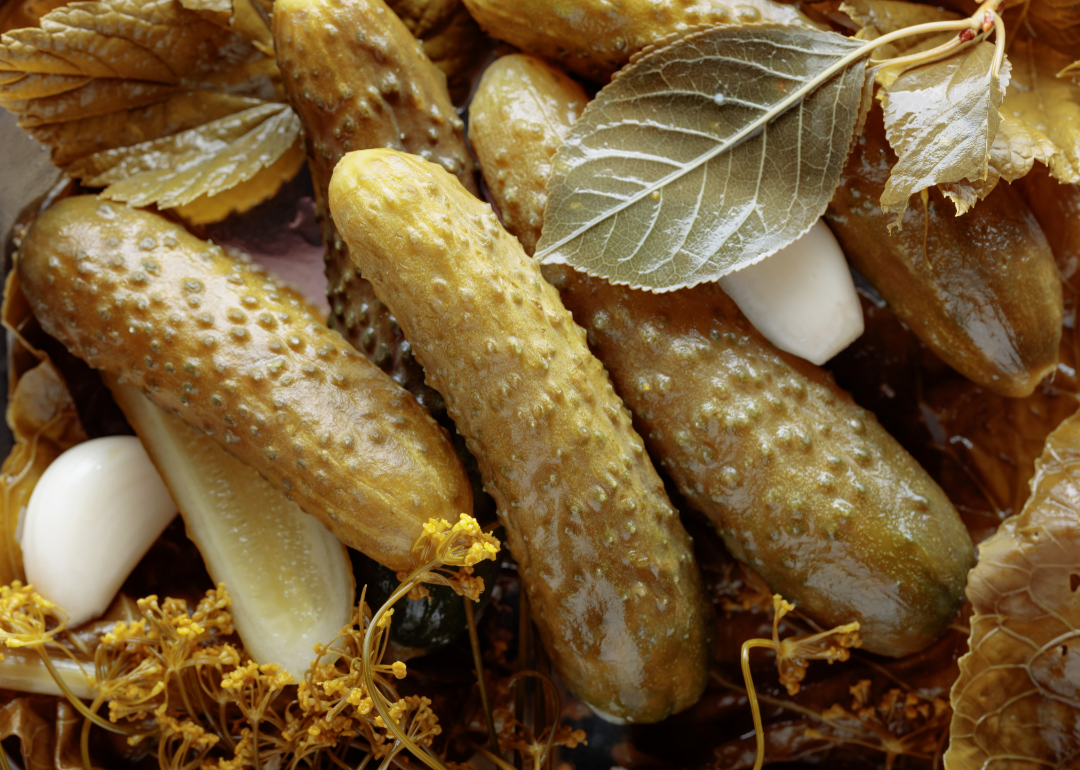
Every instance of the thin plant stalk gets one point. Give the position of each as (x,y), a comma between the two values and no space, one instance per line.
(478,661)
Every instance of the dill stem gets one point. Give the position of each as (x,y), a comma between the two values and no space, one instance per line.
(755,709)
(413,579)
(478,661)
(74,700)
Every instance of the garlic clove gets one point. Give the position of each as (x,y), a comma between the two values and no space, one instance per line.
(94,513)
(801,298)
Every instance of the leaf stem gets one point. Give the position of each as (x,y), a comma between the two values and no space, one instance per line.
(999,51)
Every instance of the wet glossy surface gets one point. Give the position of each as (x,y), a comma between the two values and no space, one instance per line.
(802,484)
(219,344)
(607,566)
(981,290)
(358,79)
(289,578)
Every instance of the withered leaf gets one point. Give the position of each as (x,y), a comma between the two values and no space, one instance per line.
(1017,700)
(1047,103)
(941,119)
(245,195)
(174,103)
(1017,145)
(203,161)
(680,172)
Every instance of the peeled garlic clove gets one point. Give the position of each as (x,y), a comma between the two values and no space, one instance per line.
(801,298)
(93,514)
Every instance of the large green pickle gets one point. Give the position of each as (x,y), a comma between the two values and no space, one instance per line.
(981,289)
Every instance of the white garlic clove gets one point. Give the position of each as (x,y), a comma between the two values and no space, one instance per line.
(801,298)
(93,514)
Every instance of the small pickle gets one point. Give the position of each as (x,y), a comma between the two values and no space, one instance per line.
(595,38)
(521,112)
(608,568)
(981,290)
(802,484)
(220,345)
(358,79)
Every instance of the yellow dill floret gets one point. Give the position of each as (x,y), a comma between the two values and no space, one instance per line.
(27,619)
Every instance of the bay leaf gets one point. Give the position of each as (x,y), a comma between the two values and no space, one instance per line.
(941,120)
(1017,700)
(678,173)
(150,89)
(1049,103)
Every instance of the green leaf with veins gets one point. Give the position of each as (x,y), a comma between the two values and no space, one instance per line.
(941,120)
(687,167)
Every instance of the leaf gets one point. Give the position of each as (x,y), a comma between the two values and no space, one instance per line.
(150,97)
(203,161)
(1017,145)
(1056,23)
(1048,103)
(941,119)
(248,18)
(678,172)
(880,17)
(1017,700)
(246,195)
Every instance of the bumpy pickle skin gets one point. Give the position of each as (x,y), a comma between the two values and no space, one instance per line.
(595,38)
(521,112)
(220,345)
(358,78)
(802,484)
(981,290)
(608,568)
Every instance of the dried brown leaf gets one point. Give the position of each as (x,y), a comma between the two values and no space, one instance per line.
(186,102)
(1047,103)
(248,18)
(942,120)
(679,172)
(246,195)
(1017,700)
